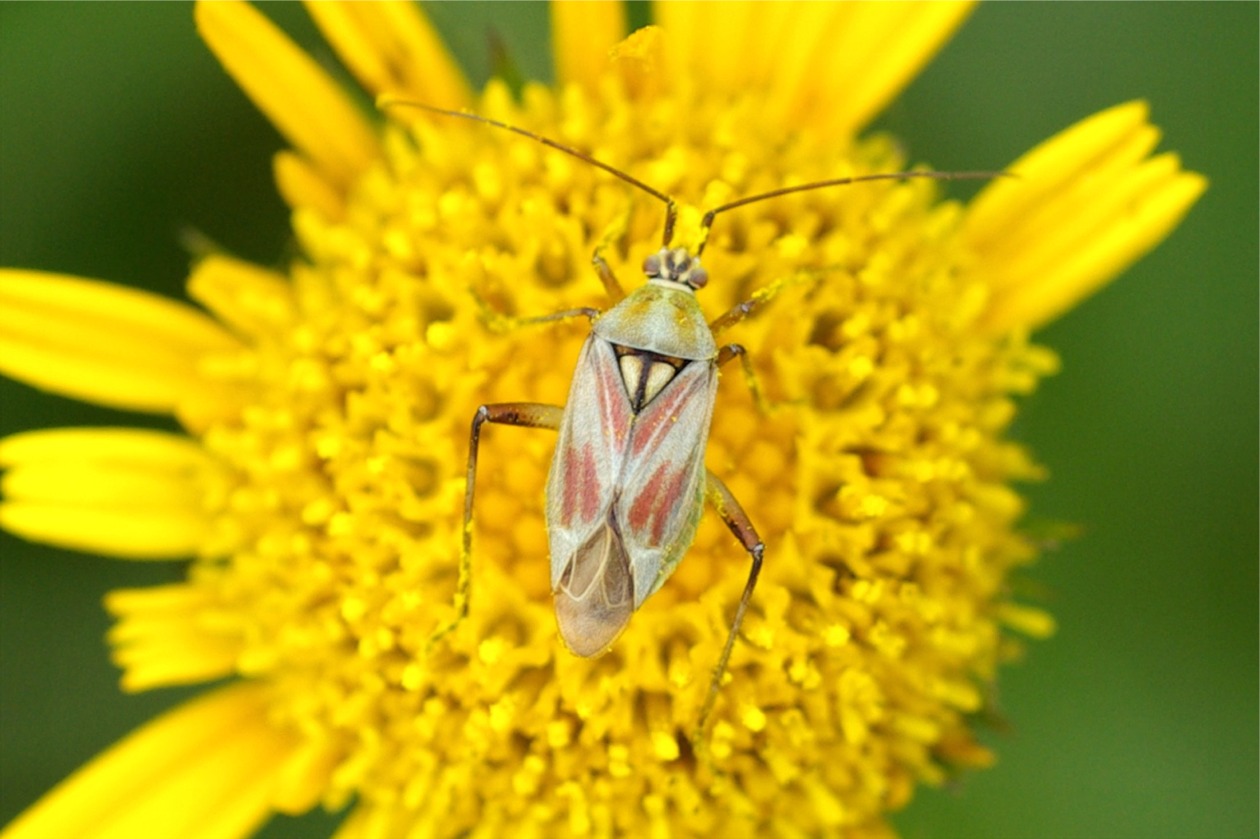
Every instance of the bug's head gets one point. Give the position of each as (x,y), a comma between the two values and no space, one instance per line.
(676,266)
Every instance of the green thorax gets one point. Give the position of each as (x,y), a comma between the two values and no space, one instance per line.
(662,318)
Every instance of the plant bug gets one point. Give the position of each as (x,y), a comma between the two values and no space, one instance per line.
(627,483)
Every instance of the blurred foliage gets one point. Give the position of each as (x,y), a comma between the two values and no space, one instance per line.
(119,134)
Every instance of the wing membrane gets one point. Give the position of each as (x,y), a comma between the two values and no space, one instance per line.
(595,598)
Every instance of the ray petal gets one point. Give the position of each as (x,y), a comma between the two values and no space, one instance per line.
(302,185)
(1085,205)
(209,769)
(582,34)
(120,445)
(124,492)
(883,46)
(300,99)
(392,48)
(103,343)
(164,636)
(250,299)
(737,45)
(846,61)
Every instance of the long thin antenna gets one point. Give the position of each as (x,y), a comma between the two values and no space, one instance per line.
(389,100)
(707,221)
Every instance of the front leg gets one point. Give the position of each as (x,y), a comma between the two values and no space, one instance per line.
(612,286)
(527,414)
(502,324)
(729,351)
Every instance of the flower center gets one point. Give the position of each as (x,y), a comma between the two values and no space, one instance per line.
(875,475)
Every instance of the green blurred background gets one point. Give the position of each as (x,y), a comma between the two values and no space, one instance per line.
(118,132)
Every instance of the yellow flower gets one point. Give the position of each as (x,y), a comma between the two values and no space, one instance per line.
(319,488)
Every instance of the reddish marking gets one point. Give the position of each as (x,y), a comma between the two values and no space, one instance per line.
(613,402)
(581,490)
(658,498)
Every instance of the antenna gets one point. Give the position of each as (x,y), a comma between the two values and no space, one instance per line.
(707,221)
(389,100)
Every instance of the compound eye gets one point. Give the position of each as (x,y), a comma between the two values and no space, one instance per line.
(698,278)
(652,265)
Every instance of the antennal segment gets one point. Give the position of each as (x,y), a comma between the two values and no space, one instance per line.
(707,221)
(389,100)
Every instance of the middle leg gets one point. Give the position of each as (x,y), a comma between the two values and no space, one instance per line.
(527,414)
(729,351)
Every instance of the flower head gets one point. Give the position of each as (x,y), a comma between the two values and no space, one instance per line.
(320,486)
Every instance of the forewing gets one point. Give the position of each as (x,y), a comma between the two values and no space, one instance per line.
(590,451)
(662,488)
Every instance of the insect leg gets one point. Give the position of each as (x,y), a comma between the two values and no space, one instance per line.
(502,324)
(583,311)
(611,284)
(762,296)
(616,230)
(740,311)
(729,351)
(737,520)
(527,414)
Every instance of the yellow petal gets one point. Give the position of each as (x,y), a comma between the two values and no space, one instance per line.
(582,34)
(302,185)
(176,658)
(364,822)
(305,777)
(122,492)
(373,821)
(1041,221)
(392,48)
(145,449)
(250,299)
(843,62)
(988,217)
(883,47)
(638,62)
(1029,620)
(299,98)
(206,770)
(1083,206)
(807,26)
(164,637)
(102,343)
(731,46)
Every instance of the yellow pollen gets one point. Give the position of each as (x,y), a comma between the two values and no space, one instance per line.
(664,746)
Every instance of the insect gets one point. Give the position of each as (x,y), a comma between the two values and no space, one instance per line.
(627,483)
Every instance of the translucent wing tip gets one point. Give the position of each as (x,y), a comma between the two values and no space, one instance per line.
(595,594)
(589,626)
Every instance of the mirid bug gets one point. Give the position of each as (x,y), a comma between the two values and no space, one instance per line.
(627,483)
